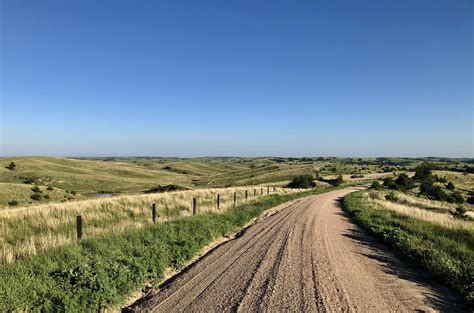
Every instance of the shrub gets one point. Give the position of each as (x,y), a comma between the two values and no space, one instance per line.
(391,197)
(357,176)
(46,197)
(423,170)
(36,189)
(302,181)
(13,203)
(50,188)
(436,193)
(160,188)
(376,185)
(73,192)
(470,199)
(426,185)
(338,181)
(441,179)
(450,186)
(374,195)
(460,212)
(404,182)
(36,196)
(455,197)
(389,183)
(11,166)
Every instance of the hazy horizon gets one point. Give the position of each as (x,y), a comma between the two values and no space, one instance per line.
(239,78)
(233,156)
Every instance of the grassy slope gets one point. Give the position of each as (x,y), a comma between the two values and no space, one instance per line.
(87,176)
(136,175)
(23,192)
(26,231)
(448,254)
(463,182)
(101,272)
(132,175)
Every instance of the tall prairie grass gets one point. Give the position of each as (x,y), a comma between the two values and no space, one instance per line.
(434,240)
(442,219)
(26,231)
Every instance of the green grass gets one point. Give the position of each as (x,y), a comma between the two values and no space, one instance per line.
(447,254)
(101,272)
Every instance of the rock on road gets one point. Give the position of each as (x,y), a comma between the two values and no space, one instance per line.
(308,257)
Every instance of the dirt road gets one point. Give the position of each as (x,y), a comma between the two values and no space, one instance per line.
(306,257)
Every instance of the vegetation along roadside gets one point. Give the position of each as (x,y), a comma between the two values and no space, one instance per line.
(100,272)
(440,241)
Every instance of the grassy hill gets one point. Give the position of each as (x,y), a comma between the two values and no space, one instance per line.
(21,193)
(76,178)
(87,176)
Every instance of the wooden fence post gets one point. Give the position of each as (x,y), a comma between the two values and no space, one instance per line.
(194,206)
(79,227)
(268,190)
(235,198)
(246,195)
(218,201)
(261,190)
(153,213)
(254,192)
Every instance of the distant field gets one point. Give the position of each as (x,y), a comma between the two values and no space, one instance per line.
(84,178)
(131,176)
(87,176)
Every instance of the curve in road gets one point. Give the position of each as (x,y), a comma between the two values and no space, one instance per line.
(308,256)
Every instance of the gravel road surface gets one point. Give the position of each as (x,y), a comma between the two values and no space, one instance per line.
(308,257)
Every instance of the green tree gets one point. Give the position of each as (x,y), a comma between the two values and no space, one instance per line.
(423,170)
(302,181)
(389,183)
(426,184)
(455,197)
(436,193)
(404,183)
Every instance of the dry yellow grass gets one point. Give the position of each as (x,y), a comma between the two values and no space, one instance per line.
(427,203)
(462,181)
(30,230)
(443,219)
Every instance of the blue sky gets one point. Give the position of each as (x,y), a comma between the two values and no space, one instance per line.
(237,78)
